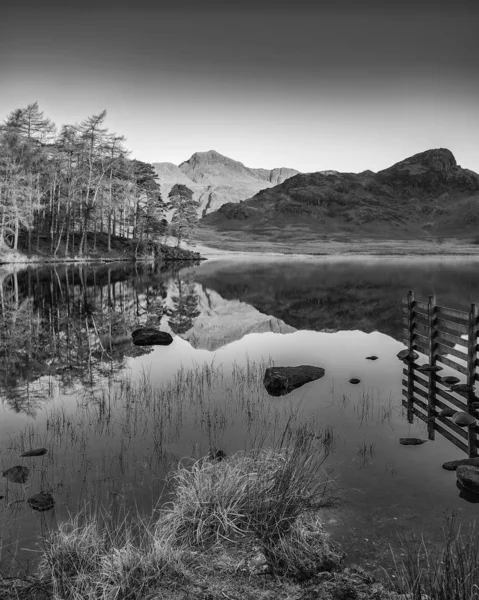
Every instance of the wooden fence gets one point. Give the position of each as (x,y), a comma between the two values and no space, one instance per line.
(448,338)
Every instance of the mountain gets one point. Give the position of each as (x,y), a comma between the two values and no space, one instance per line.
(426,193)
(216,179)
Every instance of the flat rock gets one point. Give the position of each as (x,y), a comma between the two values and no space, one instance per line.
(354,380)
(464,388)
(449,380)
(280,381)
(468,477)
(454,464)
(371,357)
(34,452)
(462,418)
(148,336)
(42,501)
(408,355)
(447,412)
(411,441)
(17,474)
(429,369)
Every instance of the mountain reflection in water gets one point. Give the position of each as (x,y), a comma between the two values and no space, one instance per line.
(65,344)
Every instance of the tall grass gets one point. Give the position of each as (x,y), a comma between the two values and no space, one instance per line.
(446,571)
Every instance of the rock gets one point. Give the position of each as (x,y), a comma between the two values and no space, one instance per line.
(371,357)
(17,474)
(408,355)
(468,477)
(148,336)
(280,381)
(462,418)
(354,380)
(447,412)
(462,388)
(42,501)
(454,464)
(429,369)
(217,455)
(411,441)
(449,380)
(2,497)
(34,452)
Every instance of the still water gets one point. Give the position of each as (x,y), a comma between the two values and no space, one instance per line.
(116,418)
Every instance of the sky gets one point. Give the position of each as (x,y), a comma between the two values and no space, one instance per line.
(345,84)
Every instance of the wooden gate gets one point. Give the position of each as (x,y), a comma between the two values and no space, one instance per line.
(448,337)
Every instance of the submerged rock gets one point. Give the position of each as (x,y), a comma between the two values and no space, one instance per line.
(408,355)
(148,336)
(447,412)
(34,452)
(429,369)
(371,357)
(42,501)
(449,380)
(280,381)
(468,477)
(411,441)
(454,464)
(462,418)
(354,380)
(17,474)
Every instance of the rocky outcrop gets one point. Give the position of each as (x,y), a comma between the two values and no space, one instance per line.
(280,381)
(468,478)
(41,502)
(454,464)
(216,179)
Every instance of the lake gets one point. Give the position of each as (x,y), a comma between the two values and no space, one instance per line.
(115,417)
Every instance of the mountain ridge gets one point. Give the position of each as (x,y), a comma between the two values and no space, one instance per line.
(427,193)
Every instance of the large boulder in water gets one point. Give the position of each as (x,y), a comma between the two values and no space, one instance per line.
(34,452)
(280,381)
(148,336)
(468,477)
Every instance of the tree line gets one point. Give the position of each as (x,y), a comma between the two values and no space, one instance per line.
(67,187)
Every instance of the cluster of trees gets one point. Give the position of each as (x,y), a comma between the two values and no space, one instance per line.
(68,186)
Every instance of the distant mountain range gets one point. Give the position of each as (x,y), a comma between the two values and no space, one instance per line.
(216,179)
(427,193)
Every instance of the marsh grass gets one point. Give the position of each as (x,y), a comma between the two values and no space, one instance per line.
(445,571)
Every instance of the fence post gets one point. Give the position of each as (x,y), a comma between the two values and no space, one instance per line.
(471,374)
(431,395)
(410,375)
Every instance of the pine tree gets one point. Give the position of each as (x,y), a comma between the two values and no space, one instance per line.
(185,216)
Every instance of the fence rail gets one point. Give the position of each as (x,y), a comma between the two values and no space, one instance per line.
(447,337)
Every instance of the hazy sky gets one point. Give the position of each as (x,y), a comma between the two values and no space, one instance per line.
(343,84)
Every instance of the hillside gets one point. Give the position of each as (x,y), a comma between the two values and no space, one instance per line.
(425,195)
(216,179)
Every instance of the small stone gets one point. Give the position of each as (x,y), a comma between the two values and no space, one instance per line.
(34,452)
(462,388)
(371,357)
(454,464)
(468,477)
(411,441)
(462,419)
(41,502)
(17,474)
(354,380)
(449,380)
(447,412)
(428,368)
(217,455)
(408,355)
